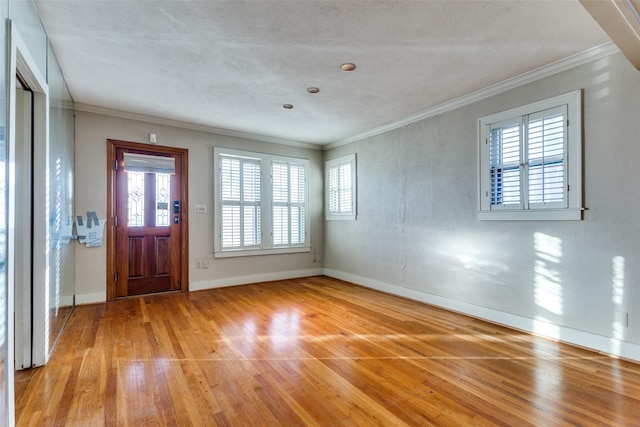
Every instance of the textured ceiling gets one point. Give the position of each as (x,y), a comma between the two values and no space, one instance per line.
(232,64)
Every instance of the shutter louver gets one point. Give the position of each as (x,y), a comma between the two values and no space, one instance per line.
(504,158)
(259,195)
(297,207)
(240,189)
(288,204)
(546,148)
(340,189)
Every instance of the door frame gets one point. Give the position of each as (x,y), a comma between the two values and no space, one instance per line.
(112,146)
(21,61)
(22,228)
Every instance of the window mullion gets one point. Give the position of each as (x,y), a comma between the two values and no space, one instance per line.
(524,162)
(289,203)
(242,204)
(266,188)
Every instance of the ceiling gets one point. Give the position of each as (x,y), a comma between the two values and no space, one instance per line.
(230,65)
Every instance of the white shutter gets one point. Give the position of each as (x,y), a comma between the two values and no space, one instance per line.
(251,203)
(546,141)
(341,188)
(288,203)
(505,159)
(258,195)
(297,182)
(530,161)
(280,202)
(240,190)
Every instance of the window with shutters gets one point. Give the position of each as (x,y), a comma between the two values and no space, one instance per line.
(340,188)
(531,161)
(261,203)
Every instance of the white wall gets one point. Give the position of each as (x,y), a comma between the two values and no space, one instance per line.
(418,234)
(92,132)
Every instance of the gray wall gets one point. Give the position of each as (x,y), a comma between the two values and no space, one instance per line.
(92,132)
(417,233)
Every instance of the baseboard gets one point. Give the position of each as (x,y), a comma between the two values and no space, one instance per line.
(66,301)
(599,343)
(91,298)
(254,278)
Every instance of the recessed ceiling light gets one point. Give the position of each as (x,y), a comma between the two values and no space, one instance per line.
(313,89)
(349,66)
(287,106)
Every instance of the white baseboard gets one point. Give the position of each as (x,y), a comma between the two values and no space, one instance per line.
(91,298)
(599,343)
(254,278)
(66,301)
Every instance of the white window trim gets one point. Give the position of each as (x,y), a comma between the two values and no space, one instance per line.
(329,164)
(267,247)
(573,210)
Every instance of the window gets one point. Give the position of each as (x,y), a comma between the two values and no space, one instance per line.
(340,185)
(261,203)
(531,161)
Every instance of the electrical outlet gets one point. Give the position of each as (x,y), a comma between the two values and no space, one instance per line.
(205,263)
(198,264)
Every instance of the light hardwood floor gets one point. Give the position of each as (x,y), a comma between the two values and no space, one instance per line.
(316,352)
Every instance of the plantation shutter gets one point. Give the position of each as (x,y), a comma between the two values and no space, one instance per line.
(240,189)
(504,159)
(288,203)
(546,142)
(340,196)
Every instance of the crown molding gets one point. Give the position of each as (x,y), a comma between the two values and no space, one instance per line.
(570,62)
(191,126)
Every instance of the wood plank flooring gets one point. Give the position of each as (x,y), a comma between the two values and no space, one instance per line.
(314,352)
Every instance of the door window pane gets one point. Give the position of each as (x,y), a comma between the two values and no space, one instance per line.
(163,193)
(135,203)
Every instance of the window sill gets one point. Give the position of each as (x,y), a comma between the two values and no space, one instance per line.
(572,214)
(257,252)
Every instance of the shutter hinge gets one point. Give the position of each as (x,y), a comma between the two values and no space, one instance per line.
(115,164)
(115,277)
(115,221)
(486,140)
(567,122)
(568,187)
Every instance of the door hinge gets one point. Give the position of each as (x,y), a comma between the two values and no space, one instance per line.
(115,277)
(115,221)
(115,164)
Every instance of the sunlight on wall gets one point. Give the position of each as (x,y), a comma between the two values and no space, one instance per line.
(547,284)
(47,273)
(601,80)
(3,256)
(617,295)
(473,253)
(544,327)
(57,227)
(481,265)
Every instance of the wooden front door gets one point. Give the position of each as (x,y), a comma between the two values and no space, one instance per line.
(148,219)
